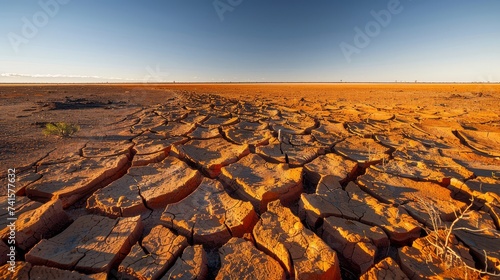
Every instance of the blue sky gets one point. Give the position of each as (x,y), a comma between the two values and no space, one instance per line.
(251,40)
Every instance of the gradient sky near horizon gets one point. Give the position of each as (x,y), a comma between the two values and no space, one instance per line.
(257,41)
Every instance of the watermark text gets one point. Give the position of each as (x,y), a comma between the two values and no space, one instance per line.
(363,37)
(11,218)
(31,25)
(223,6)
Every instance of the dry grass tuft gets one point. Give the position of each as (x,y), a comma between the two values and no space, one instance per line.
(61,129)
(441,238)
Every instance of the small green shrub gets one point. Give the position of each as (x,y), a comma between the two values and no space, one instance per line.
(61,129)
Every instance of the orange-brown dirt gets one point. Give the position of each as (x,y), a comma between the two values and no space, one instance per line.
(319,180)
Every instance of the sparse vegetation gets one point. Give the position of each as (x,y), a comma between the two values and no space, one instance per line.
(61,129)
(440,237)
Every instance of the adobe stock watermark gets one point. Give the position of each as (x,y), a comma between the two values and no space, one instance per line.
(223,6)
(362,38)
(31,26)
(155,75)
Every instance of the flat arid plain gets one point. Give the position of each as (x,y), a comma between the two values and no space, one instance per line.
(250,181)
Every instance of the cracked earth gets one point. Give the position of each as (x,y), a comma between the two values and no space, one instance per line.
(285,181)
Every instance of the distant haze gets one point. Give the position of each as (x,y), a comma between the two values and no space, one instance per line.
(250,41)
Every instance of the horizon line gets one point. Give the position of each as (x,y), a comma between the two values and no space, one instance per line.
(246,82)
